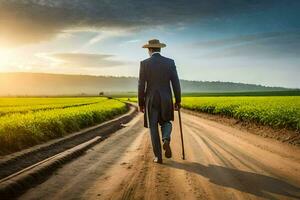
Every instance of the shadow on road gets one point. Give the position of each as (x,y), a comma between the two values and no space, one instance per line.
(249,182)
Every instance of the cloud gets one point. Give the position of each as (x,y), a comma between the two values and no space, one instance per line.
(82,60)
(105,34)
(133,41)
(242,39)
(31,21)
(262,45)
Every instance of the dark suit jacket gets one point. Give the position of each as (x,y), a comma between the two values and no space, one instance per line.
(157,73)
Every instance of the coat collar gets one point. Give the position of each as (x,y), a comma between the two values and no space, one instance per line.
(156,54)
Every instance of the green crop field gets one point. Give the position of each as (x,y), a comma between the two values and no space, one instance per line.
(129,99)
(25,122)
(275,111)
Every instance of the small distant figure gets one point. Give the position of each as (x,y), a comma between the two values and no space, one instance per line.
(101,93)
(155,96)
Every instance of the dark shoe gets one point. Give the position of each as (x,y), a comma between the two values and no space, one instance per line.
(157,160)
(167,148)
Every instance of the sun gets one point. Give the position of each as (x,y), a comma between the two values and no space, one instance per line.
(5,58)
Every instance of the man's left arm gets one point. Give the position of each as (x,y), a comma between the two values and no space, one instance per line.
(176,86)
(141,88)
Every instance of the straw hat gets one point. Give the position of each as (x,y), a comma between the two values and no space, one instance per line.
(154,44)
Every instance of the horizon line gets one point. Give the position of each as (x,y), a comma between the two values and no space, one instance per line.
(116,76)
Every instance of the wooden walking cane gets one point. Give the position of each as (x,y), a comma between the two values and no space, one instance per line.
(181,134)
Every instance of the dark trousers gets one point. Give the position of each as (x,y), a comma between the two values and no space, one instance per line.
(166,129)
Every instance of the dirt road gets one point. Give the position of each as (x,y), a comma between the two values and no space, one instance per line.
(221,163)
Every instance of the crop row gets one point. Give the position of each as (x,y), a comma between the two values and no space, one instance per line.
(34,101)
(18,131)
(39,107)
(277,112)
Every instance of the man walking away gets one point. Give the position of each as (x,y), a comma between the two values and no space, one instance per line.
(156,76)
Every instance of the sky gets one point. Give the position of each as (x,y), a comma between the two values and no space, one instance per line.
(247,41)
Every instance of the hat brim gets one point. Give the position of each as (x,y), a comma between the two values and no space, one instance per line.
(160,45)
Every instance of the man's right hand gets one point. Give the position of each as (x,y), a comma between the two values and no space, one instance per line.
(177,106)
(142,109)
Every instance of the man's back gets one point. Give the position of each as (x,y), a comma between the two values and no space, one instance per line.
(158,72)
(158,76)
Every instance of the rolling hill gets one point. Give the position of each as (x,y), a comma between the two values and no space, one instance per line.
(21,83)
